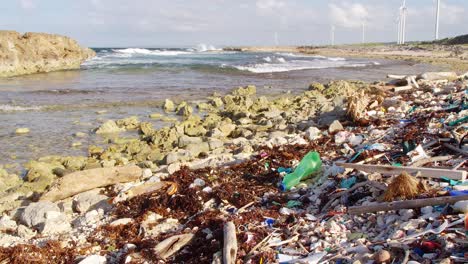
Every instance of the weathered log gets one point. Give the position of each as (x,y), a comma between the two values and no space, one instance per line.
(172,244)
(432,76)
(392,170)
(403,88)
(230,244)
(81,181)
(408,204)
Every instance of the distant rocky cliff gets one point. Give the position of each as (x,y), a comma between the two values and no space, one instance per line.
(39,52)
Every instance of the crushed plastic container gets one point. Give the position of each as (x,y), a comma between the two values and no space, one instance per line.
(309,164)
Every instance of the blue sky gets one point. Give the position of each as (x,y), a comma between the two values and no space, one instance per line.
(155,23)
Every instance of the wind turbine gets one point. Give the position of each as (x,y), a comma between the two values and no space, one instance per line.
(437,20)
(402,24)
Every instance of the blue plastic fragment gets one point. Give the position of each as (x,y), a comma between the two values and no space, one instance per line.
(269,222)
(287,170)
(458,193)
(418,251)
(348,183)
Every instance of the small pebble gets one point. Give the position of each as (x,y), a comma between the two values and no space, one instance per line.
(383,256)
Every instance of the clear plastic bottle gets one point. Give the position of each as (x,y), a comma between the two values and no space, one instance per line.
(309,164)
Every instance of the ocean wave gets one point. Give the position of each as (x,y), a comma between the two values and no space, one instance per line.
(17,108)
(141,51)
(206,47)
(297,65)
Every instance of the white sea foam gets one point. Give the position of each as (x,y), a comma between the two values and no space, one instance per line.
(140,51)
(17,108)
(296,65)
(206,47)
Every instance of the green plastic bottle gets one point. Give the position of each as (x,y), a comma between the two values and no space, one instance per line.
(309,164)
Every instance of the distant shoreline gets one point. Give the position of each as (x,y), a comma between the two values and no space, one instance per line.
(454,56)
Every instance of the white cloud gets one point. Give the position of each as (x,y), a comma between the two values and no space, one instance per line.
(348,15)
(27,4)
(269,5)
(452,14)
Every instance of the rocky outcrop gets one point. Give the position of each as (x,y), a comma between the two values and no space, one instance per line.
(39,52)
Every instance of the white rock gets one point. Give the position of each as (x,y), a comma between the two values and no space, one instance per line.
(94,259)
(7,224)
(313,133)
(8,240)
(56,223)
(83,202)
(343,137)
(147,173)
(35,213)
(25,232)
(335,126)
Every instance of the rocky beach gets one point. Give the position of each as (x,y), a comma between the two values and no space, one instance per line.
(391,184)
(344,154)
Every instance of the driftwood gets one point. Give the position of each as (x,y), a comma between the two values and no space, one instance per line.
(81,181)
(403,88)
(171,245)
(230,244)
(408,204)
(148,187)
(422,162)
(391,170)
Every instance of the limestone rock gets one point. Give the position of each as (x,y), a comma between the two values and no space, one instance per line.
(25,232)
(217,102)
(109,127)
(312,133)
(7,224)
(335,126)
(315,86)
(83,202)
(184,109)
(129,123)
(55,223)
(121,221)
(39,52)
(168,105)
(382,256)
(197,148)
(186,140)
(35,213)
(247,91)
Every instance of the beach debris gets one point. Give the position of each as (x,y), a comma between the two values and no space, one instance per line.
(404,186)
(230,243)
(335,126)
(382,256)
(68,185)
(392,170)
(310,164)
(171,245)
(407,204)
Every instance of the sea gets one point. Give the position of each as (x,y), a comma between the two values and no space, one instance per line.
(122,82)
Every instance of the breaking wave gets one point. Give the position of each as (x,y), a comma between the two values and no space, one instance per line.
(17,108)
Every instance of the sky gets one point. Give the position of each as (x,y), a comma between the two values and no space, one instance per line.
(177,23)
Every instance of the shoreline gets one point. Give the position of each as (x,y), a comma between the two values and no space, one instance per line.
(222,164)
(455,56)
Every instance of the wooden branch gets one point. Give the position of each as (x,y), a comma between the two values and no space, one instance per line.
(403,88)
(230,243)
(408,204)
(81,181)
(172,244)
(422,162)
(392,170)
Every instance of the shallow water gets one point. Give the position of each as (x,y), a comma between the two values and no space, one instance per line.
(128,82)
